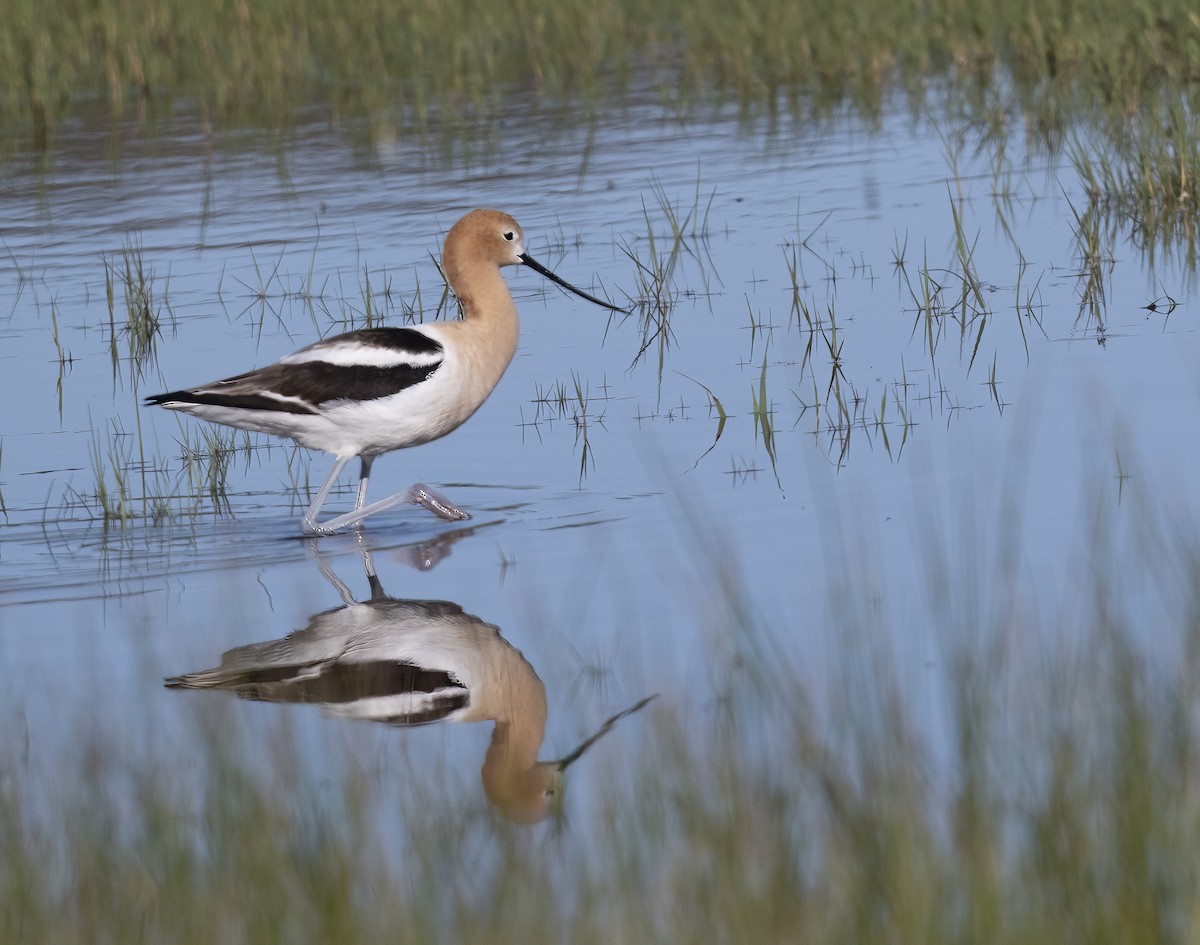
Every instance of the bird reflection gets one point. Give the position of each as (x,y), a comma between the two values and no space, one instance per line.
(410,662)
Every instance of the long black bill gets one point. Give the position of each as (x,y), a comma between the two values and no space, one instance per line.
(538,267)
(562,763)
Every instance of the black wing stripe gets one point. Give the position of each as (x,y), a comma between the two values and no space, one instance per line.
(235,401)
(305,387)
(340,683)
(394,339)
(318,382)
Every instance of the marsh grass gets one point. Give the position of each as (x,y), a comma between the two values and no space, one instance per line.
(63,357)
(131,484)
(883,423)
(763,412)
(972,308)
(654,298)
(574,402)
(1048,796)
(426,61)
(926,295)
(1027,306)
(843,414)
(1145,176)
(584,424)
(141,321)
(659,260)
(1094,246)
(333,302)
(113,495)
(205,464)
(944,297)
(714,404)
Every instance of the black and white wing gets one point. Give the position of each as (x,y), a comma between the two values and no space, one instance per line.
(360,365)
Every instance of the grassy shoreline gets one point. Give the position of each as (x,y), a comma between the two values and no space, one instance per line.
(1116,82)
(261,63)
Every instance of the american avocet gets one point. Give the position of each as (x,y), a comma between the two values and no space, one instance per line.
(375,390)
(410,662)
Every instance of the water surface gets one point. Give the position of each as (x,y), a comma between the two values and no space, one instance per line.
(619,540)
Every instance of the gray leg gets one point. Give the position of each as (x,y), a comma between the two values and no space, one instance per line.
(418,494)
(308,523)
(363,476)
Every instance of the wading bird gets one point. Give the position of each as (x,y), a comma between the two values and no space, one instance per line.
(368,392)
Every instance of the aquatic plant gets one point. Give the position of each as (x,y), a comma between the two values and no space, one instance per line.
(763,412)
(141,324)
(1144,175)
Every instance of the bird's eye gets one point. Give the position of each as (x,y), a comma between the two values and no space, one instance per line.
(509,235)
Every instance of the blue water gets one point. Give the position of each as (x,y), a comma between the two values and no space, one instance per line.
(611,571)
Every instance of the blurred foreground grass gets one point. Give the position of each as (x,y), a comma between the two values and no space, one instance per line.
(1051,796)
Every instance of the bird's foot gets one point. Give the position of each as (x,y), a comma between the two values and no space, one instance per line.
(418,494)
(437,503)
(310,528)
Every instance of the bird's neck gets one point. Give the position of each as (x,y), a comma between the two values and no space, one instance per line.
(489,317)
(515,699)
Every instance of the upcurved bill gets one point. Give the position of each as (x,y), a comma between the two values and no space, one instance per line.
(538,267)
(563,762)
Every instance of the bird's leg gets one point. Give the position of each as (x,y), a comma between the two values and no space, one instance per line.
(418,494)
(309,524)
(363,475)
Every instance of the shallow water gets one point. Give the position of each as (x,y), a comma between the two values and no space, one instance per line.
(625,570)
